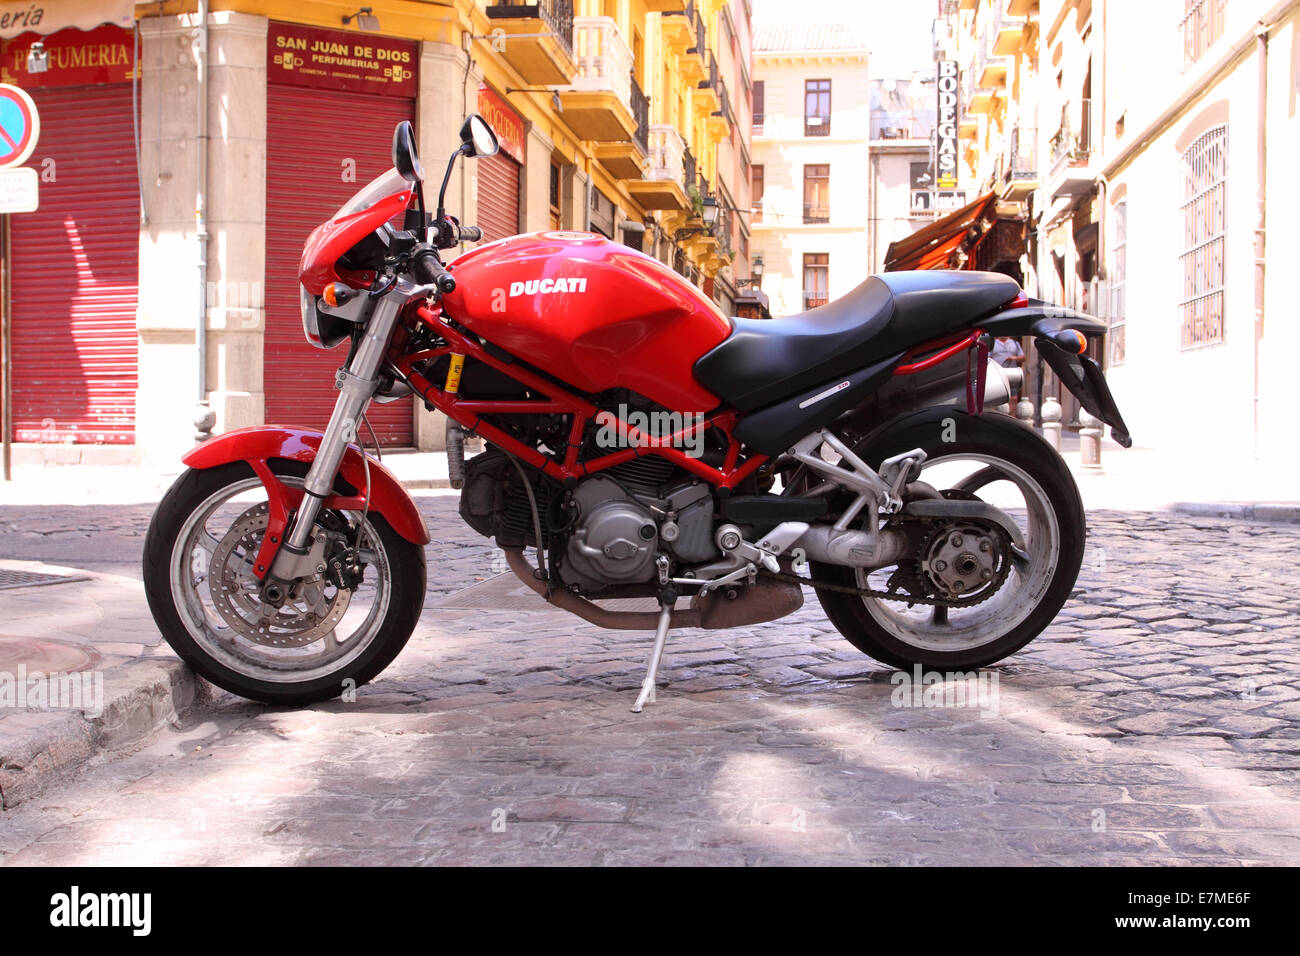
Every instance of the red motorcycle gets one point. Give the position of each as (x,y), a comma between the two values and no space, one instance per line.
(643,443)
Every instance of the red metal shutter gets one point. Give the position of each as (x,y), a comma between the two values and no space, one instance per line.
(321,148)
(498,196)
(76,271)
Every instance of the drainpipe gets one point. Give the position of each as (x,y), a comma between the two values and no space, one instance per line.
(873,164)
(204,417)
(1261,181)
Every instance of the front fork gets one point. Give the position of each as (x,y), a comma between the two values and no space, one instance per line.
(356,382)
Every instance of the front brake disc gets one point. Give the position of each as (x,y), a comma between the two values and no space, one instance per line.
(310,612)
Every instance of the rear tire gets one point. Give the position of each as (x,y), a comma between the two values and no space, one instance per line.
(881,630)
(249,665)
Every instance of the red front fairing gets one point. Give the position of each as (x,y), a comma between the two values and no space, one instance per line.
(330,240)
(590,312)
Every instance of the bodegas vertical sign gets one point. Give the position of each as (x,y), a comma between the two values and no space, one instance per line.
(333,60)
(946,126)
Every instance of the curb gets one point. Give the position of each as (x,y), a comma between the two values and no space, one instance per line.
(140,698)
(1273,513)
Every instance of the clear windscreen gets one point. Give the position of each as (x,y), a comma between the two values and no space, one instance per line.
(378,188)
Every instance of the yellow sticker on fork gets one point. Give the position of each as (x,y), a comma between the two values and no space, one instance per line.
(454,369)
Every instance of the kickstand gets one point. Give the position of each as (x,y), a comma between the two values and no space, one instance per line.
(647,695)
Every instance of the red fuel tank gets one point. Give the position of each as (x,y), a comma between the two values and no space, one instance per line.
(590,312)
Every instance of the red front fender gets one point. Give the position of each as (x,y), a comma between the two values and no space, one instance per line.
(258,444)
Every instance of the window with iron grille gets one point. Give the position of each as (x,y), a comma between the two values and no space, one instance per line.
(1204,220)
(817,108)
(816,279)
(1201,26)
(817,193)
(1118,278)
(756,191)
(758,94)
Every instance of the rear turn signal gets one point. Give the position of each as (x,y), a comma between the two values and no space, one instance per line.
(1072,340)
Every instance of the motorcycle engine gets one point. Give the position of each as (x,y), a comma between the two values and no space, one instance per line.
(609,531)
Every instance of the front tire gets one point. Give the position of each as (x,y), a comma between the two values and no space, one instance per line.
(322,642)
(1007,457)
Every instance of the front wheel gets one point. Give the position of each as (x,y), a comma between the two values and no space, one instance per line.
(323,640)
(997,460)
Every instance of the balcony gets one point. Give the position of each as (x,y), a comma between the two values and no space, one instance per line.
(598,105)
(623,159)
(1008,32)
(1071,148)
(706,90)
(694,61)
(816,213)
(990,67)
(664,183)
(1021,176)
(539,39)
(981,101)
(678,29)
(719,121)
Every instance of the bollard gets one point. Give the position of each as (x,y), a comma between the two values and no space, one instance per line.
(1025,412)
(1090,442)
(1052,421)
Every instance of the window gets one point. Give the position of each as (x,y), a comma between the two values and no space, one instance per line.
(1118,276)
(817,108)
(919,173)
(756,190)
(1201,26)
(1204,214)
(817,193)
(816,273)
(758,107)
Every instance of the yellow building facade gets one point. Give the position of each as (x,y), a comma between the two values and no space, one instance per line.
(251,118)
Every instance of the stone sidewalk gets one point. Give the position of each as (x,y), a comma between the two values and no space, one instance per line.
(1156,721)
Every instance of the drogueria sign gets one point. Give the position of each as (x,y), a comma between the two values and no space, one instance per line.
(49,16)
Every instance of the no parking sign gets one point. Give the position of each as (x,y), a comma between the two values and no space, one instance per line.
(20,126)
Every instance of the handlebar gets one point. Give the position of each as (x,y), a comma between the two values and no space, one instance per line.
(469,233)
(428,269)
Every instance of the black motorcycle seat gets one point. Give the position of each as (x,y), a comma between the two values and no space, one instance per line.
(765,360)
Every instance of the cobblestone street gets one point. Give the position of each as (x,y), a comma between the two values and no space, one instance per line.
(1156,721)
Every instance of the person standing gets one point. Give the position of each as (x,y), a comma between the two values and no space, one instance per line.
(1007,353)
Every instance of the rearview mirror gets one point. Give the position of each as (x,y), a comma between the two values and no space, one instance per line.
(477,137)
(405,158)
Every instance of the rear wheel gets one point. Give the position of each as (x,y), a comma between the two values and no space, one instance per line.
(993,459)
(323,639)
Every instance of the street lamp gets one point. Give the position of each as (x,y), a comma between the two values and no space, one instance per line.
(38,58)
(711,210)
(709,216)
(366,20)
(756,271)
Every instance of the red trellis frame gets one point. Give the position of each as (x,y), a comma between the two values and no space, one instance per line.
(468,412)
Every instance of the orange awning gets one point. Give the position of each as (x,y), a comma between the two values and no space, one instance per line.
(933,246)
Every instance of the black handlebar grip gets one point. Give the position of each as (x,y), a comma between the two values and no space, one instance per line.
(431,270)
(470,233)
